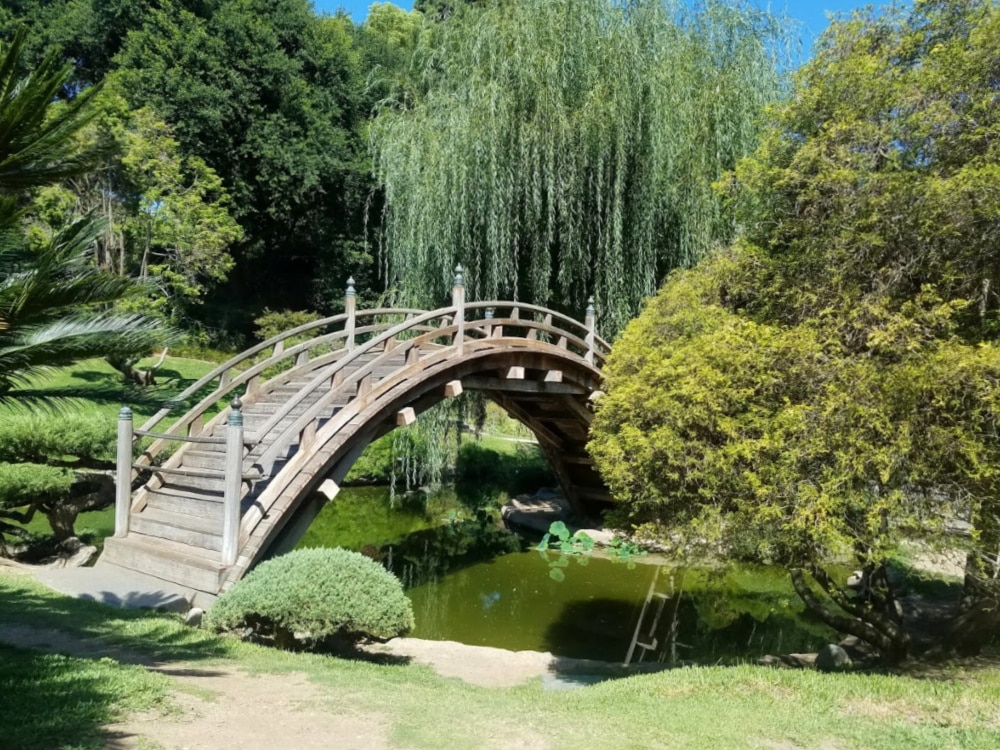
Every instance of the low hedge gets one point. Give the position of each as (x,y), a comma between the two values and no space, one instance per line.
(23,484)
(312,594)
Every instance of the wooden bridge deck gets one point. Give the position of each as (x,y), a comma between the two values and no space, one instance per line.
(313,398)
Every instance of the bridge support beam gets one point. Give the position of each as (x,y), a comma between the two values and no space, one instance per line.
(350,303)
(123,475)
(453,389)
(458,301)
(234,485)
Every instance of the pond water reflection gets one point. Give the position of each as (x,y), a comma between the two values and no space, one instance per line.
(475,583)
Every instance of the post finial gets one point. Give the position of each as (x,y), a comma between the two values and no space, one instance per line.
(350,287)
(236,414)
(590,306)
(124,413)
(236,404)
(459,278)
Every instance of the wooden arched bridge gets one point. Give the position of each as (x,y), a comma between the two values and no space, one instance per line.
(275,429)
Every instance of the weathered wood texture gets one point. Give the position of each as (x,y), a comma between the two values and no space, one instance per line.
(309,408)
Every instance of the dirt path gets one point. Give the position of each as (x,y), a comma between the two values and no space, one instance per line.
(223,707)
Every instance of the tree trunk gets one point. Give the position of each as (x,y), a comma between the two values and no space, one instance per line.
(979,620)
(90,491)
(861,620)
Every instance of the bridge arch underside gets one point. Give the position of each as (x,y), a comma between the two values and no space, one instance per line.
(546,391)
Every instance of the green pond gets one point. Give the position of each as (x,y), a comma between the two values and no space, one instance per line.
(475,583)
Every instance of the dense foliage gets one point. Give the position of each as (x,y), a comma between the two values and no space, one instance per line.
(312,594)
(568,148)
(828,386)
(54,303)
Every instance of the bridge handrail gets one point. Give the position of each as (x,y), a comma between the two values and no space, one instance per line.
(352,356)
(556,315)
(237,359)
(413,321)
(227,386)
(420,321)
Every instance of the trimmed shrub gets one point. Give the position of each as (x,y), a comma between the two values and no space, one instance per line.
(23,484)
(37,438)
(313,594)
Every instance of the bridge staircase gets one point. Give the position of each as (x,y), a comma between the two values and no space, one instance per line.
(178,533)
(210,493)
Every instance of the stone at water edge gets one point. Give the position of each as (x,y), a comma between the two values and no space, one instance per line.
(833,658)
(193,618)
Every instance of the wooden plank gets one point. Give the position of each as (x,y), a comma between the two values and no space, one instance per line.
(584,414)
(520,413)
(478,383)
(179,438)
(181,471)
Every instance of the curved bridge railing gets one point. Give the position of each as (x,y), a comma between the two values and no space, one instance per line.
(356,353)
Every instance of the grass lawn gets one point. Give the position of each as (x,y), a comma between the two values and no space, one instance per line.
(93,386)
(55,701)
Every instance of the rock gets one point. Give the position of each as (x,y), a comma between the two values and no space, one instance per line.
(855,579)
(193,618)
(71,553)
(832,658)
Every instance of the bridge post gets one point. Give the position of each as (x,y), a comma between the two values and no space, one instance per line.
(458,301)
(350,305)
(123,475)
(234,483)
(591,324)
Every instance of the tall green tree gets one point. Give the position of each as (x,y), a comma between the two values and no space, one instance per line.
(268,94)
(560,149)
(166,213)
(828,387)
(53,301)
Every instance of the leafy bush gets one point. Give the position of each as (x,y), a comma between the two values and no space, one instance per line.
(314,594)
(482,473)
(28,485)
(34,437)
(273,322)
(21,484)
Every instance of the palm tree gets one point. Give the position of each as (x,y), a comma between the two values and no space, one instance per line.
(55,306)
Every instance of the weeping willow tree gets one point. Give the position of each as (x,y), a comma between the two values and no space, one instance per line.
(562,148)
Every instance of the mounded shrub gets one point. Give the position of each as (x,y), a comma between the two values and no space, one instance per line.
(312,594)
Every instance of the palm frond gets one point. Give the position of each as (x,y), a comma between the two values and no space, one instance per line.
(31,350)
(36,137)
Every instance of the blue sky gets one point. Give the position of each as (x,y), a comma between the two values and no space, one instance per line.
(811,13)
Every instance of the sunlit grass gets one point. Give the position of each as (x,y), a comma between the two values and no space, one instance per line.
(957,706)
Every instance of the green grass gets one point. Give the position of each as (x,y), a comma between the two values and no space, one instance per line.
(56,701)
(93,386)
(958,706)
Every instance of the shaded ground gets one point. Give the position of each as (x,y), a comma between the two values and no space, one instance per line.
(223,707)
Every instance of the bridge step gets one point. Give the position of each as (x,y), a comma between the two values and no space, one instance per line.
(250,433)
(196,484)
(196,531)
(205,459)
(171,561)
(263,412)
(200,504)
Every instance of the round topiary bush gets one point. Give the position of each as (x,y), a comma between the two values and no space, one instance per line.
(314,594)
